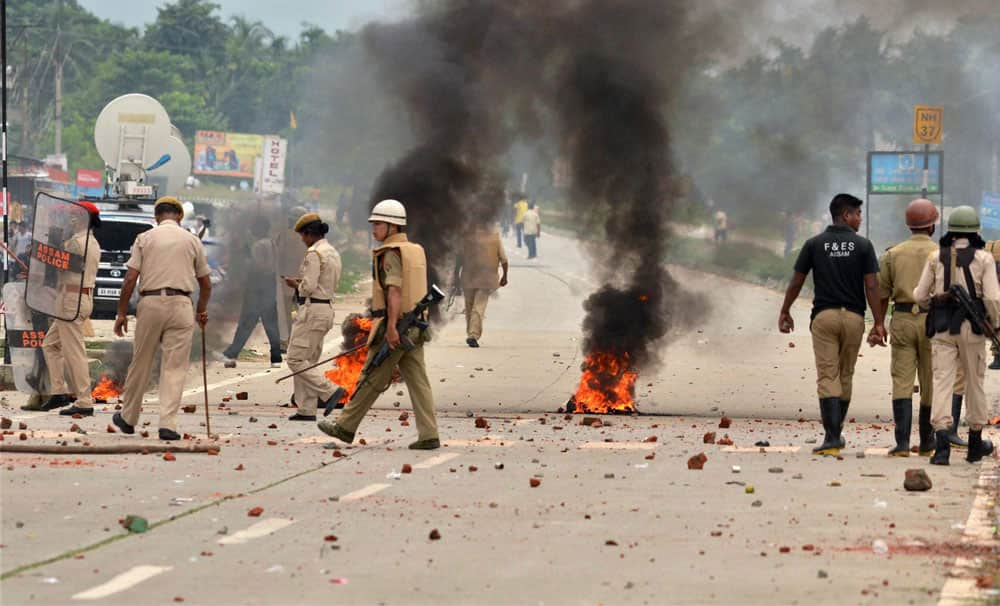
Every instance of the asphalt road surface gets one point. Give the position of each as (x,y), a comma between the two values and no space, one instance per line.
(616,518)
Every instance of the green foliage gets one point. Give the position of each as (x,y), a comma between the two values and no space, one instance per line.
(739,260)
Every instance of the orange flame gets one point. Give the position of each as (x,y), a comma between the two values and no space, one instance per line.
(607,385)
(347,369)
(106,389)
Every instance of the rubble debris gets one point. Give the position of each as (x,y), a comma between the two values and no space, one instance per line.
(757,503)
(708,438)
(407,468)
(590,421)
(255,512)
(697,462)
(434,535)
(822,574)
(481,423)
(229,364)
(762,444)
(169,456)
(650,439)
(242,395)
(917,480)
(725,422)
(534,482)
(22,425)
(775,470)
(5,423)
(330,538)
(749,489)
(189,408)
(724,441)
(403,416)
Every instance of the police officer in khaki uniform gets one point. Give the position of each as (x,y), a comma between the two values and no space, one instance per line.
(63,347)
(399,269)
(315,284)
(899,272)
(167,262)
(845,275)
(476,270)
(960,260)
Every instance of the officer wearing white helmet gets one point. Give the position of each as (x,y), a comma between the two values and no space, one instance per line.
(399,272)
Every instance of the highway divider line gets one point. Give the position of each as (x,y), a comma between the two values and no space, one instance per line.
(258,530)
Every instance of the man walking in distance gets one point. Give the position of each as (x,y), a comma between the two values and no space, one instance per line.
(956,342)
(845,274)
(260,297)
(399,269)
(167,262)
(899,273)
(532,226)
(476,270)
(63,347)
(318,276)
(520,207)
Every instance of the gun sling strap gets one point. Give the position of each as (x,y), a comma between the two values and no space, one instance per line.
(951,259)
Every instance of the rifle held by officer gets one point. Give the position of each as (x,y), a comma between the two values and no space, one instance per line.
(974,313)
(409,320)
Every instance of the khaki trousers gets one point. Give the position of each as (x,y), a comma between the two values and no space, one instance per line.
(166,323)
(305,345)
(372,384)
(836,335)
(967,351)
(476,300)
(911,356)
(66,355)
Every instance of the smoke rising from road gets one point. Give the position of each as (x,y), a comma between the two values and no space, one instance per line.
(595,76)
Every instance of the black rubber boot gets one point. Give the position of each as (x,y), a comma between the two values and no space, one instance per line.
(829,410)
(902,414)
(956,412)
(978,447)
(844,405)
(942,450)
(926,447)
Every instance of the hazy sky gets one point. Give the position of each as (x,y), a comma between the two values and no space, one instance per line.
(283,17)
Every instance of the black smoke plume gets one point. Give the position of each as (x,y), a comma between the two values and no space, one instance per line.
(593,76)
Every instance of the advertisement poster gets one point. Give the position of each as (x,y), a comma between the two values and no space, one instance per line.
(226,154)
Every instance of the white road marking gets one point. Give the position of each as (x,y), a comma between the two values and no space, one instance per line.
(483,442)
(619,445)
(367,491)
(764,449)
(258,530)
(960,587)
(125,580)
(431,462)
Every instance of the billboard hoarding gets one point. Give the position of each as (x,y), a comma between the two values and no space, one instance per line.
(226,154)
(989,210)
(902,173)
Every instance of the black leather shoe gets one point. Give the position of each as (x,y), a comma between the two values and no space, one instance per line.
(76,410)
(300,417)
(57,401)
(471,342)
(121,424)
(333,402)
(429,444)
(169,434)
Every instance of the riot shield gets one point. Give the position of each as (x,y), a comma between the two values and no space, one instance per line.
(60,236)
(25,333)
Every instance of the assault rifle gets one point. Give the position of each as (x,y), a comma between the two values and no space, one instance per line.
(974,313)
(410,319)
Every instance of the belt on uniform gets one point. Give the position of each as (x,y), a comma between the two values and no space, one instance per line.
(377,313)
(910,308)
(164,292)
(76,289)
(304,300)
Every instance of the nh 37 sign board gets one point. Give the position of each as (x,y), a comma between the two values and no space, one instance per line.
(903,172)
(928,124)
